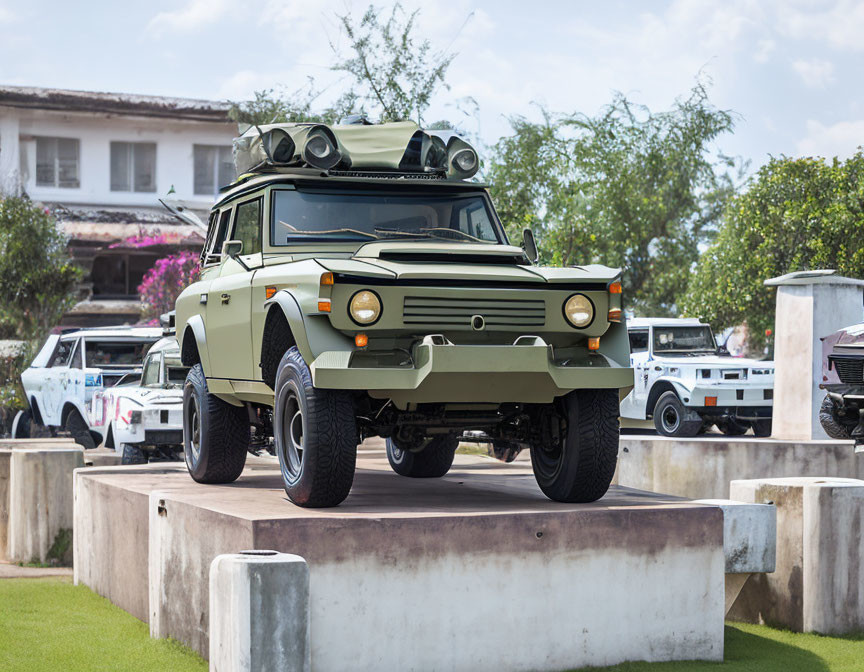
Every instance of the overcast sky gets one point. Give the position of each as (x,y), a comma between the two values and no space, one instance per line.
(791,70)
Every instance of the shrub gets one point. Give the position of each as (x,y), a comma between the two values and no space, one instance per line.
(164,282)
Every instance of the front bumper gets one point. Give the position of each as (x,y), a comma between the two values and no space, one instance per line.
(437,371)
(726,395)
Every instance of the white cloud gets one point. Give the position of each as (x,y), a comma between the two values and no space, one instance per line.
(839,23)
(764,49)
(6,15)
(816,73)
(195,15)
(841,139)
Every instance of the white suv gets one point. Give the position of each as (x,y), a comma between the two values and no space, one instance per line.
(686,386)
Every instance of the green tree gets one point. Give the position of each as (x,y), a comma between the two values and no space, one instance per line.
(795,215)
(627,187)
(37,275)
(392,75)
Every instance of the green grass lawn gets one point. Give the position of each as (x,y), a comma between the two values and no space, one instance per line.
(49,624)
(757,648)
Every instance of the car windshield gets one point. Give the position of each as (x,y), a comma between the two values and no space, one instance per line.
(175,372)
(103,353)
(683,340)
(324,215)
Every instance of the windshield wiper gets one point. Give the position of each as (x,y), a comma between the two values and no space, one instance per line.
(303,232)
(433,232)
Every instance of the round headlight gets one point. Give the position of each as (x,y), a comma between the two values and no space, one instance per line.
(319,147)
(465,160)
(320,151)
(579,310)
(365,307)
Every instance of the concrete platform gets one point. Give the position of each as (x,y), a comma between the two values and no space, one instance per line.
(421,574)
(702,467)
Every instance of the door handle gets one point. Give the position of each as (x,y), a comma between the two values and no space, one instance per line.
(226,298)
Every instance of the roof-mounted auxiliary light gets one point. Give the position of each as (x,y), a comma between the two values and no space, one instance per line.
(320,149)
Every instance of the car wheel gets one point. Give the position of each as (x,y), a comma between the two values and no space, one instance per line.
(433,461)
(133,455)
(315,436)
(79,430)
(732,427)
(828,418)
(21,425)
(762,428)
(215,433)
(581,466)
(670,417)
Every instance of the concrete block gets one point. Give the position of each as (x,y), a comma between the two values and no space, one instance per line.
(102,457)
(41,503)
(749,535)
(5,458)
(259,612)
(818,580)
(702,467)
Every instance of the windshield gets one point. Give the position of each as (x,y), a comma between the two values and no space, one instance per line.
(684,339)
(100,353)
(300,216)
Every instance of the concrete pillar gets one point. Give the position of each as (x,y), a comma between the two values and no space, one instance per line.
(41,503)
(259,612)
(5,458)
(818,584)
(810,306)
(10,157)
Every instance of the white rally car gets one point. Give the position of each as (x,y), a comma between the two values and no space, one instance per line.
(686,386)
(143,415)
(70,368)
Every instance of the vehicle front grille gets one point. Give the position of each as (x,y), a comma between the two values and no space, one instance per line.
(434,311)
(849,370)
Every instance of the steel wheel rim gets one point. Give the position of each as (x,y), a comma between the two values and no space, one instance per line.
(670,418)
(291,437)
(194,431)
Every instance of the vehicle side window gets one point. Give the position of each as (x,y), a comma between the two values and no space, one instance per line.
(62,353)
(219,235)
(151,371)
(247,227)
(474,220)
(638,341)
(211,232)
(78,358)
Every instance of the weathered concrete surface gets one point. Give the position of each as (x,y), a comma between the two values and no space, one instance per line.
(41,503)
(749,535)
(818,584)
(5,459)
(430,560)
(259,612)
(808,309)
(702,467)
(102,457)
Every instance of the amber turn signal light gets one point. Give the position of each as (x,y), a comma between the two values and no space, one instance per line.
(594,343)
(324,306)
(710,401)
(615,288)
(270,292)
(361,340)
(615,315)
(326,279)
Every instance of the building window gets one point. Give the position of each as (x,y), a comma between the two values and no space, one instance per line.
(57,163)
(213,167)
(133,166)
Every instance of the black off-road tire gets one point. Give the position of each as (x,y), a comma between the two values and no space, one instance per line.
(732,427)
(315,435)
(669,417)
(761,428)
(581,469)
(133,455)
(21,424)
(77,427)
(215,433)
(828,419)
(434,461)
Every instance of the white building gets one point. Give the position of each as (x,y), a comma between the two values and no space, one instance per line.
(100,162)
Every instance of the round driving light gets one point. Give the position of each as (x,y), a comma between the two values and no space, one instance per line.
(318,147)
(579,311)
(365,307)
(465,160)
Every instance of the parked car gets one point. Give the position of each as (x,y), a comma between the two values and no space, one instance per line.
(142,415)
(842,410)
(355,283)
(685,386)
(70,368)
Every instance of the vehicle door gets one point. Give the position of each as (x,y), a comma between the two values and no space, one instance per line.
(229,297)
(633,405)
(56,381)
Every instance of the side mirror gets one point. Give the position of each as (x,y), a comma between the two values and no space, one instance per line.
(530,245)
(231,249)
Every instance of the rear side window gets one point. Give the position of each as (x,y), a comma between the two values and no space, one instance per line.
(101,353)
(248,226)
(639,341)
(63,353)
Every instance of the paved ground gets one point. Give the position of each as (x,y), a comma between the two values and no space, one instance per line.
(10,571)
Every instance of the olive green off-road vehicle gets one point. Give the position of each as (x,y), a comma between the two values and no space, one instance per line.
(354,283)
